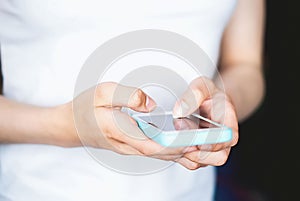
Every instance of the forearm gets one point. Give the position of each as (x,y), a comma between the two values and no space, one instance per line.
(245,86)
(23,123)
(241,57)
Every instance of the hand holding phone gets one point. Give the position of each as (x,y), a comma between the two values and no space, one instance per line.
(176,132)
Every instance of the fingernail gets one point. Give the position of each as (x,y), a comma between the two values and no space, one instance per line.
(206,147)
(183,125)
(181,109)
(150,104)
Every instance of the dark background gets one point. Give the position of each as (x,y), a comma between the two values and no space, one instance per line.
(255,168)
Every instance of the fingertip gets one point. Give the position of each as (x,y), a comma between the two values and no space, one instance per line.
(188,163)
(176,113)
(141,102)
(180,124)
(205,147)
(181,109)
(150,104)
(190,149)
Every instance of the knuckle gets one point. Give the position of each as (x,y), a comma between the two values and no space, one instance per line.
(103,91)
(121,152)
(118,149)
(102,86)
(145,151)
(204,83)
(137,98)
(100,91)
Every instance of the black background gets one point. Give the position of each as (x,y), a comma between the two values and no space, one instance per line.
(256,163)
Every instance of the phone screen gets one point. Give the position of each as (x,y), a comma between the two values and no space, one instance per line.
(166,122)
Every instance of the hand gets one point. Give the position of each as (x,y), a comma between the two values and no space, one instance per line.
(205,97)
(100,123)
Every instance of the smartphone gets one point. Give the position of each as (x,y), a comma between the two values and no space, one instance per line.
(177,132)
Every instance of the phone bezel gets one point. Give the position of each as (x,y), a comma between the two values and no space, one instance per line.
(218,134)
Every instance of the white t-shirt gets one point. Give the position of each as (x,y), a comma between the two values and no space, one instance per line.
(43,47)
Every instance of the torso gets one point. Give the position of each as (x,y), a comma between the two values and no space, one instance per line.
(43,46)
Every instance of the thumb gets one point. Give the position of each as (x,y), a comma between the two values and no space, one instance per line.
(140,101)
(111,94)
(199,90)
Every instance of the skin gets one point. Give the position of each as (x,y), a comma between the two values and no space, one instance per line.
(98,124)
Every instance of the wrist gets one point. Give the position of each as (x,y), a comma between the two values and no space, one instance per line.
(62,126)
